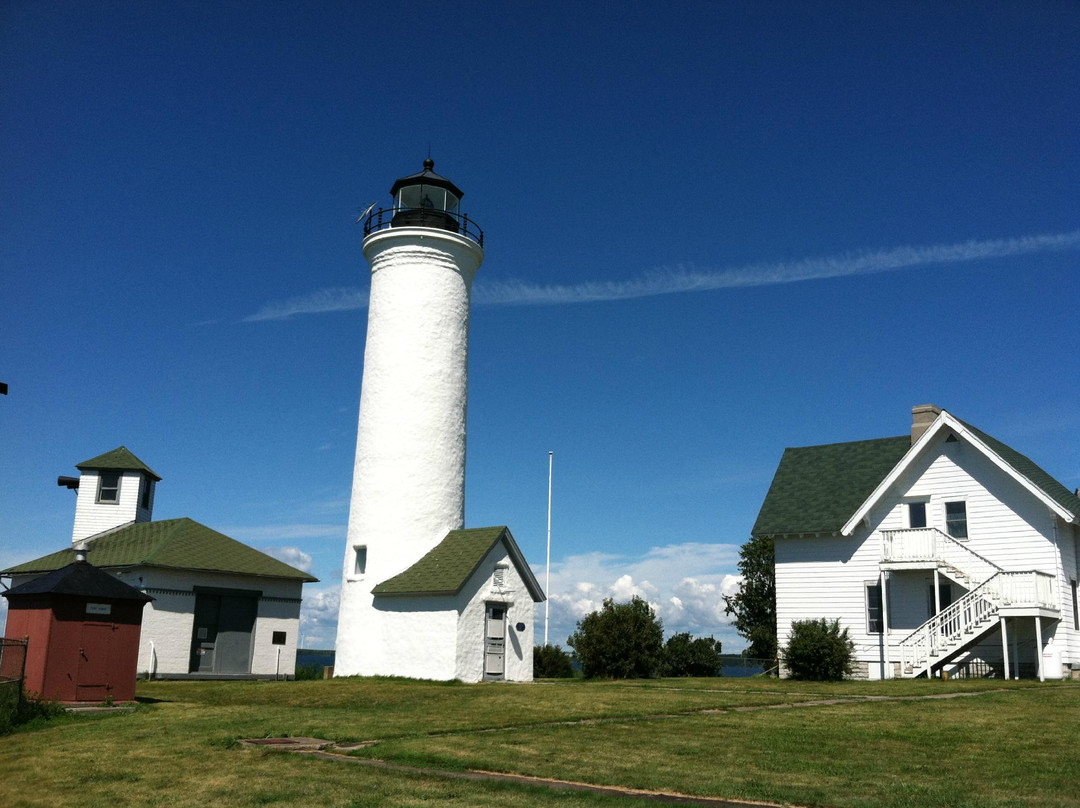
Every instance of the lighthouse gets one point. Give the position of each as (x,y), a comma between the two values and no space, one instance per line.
(411,571)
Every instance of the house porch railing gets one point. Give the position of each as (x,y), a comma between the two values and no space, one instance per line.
(930,545)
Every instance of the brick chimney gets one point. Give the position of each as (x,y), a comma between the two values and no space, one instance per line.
(922,415)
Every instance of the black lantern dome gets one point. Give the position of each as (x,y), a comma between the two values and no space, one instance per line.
(426,199)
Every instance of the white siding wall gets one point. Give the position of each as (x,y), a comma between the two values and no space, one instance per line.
(168,620)
(824,577)
(93,517)
(1068,537)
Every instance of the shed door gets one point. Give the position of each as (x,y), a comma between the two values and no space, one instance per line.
(236,627)
(495,641)
(222,633)
(92,679)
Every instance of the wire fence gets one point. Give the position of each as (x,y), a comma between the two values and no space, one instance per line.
(736,666)
(12,669)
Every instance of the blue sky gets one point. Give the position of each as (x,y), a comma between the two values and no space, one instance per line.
(713,231)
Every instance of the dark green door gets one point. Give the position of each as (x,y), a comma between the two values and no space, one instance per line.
(223,629)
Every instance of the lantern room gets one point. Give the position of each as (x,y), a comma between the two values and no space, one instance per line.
(426,200)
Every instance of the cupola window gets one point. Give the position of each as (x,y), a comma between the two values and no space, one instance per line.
(109,487)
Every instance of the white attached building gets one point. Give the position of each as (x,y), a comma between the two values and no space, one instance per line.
(940,551)
(220,608)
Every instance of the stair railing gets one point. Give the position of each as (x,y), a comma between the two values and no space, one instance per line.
(956,625)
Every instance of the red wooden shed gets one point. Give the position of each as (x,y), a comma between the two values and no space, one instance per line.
(83,628)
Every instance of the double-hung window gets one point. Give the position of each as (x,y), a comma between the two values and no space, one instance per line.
(108,487)
(875,623)
(956,519)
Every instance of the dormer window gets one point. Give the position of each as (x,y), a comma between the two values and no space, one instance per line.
(108,487)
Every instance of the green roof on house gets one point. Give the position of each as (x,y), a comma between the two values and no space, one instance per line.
(816,489)
(1026,467)
(175,543)
(450,564)
(119,458)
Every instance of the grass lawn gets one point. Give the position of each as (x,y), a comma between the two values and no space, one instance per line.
(1009,743)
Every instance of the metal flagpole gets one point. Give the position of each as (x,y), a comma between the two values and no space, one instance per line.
(547,577)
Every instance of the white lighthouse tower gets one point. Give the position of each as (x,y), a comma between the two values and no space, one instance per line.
(408,493)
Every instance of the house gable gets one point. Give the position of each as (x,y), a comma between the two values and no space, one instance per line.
(1020,468)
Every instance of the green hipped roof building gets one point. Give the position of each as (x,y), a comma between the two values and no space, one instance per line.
(181,544)
(219,608)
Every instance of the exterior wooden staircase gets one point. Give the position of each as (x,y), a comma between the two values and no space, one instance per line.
(992,593)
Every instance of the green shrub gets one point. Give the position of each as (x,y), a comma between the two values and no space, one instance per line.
(308,672)
(620,641)
(30,708)
(818,650)
(551,662)
(691,656)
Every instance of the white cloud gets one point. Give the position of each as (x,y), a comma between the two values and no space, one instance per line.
(318,302)
(680,279)
(293,556)
(684,583)
(318,617)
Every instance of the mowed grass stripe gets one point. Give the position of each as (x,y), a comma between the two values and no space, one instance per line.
(1007,748)
(993,750)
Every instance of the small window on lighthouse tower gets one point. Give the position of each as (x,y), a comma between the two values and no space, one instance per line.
(359,560)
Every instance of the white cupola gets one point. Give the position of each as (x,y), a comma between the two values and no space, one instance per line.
(114,489)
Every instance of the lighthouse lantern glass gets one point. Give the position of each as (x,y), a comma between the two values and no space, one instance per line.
(426,197)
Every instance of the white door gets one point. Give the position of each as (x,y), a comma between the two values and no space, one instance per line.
(495,641)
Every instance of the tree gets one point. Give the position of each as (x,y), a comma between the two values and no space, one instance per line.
(818,650)
(551,662)
(620,641)
(691,656)
(754,605)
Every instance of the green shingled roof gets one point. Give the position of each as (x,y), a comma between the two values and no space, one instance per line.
(816,489)
(448,566)
(177,543)
(1027,468)
(118,458)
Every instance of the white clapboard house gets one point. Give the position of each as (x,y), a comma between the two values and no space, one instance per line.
(940,551)
(220,609)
